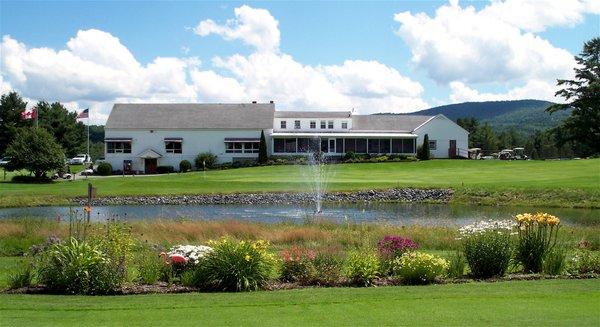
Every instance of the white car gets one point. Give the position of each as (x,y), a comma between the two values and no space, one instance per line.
(79,159)
(4,161)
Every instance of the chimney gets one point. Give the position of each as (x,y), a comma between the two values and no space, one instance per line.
(271,101)
(253,101)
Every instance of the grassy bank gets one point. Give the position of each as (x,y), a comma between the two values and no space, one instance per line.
(16,236)
(546,302)
(571,183)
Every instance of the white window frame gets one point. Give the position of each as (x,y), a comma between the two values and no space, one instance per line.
(283,124)
(344,125)
(432,144)
(297,124)
(330,124)
(313,124)
(323,124)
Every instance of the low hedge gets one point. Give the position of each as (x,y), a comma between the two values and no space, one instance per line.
(104,169)
(164,169)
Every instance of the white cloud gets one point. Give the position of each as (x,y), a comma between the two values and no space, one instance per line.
(463,44)
(533,89)
(256,27)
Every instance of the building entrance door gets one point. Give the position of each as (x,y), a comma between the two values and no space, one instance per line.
(150,166)
(331,145)
(452,149)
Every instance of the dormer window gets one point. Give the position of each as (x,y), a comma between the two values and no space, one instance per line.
(344,125)
(313,124)
(330,124)
(283,124)
(296,124)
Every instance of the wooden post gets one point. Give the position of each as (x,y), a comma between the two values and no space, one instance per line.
(89,201)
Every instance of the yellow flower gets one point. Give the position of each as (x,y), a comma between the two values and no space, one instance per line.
(248,257)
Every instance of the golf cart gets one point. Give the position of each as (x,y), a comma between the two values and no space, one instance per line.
(520,154)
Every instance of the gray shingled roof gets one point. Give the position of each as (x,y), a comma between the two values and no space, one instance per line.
(191,116)
(312,114)
(387,123)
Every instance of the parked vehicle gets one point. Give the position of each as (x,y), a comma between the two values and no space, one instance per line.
(4,161)
(520,154)
(475,153)
(80,159)
(506,154)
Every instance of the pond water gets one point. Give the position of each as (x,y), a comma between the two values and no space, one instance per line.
(390,213)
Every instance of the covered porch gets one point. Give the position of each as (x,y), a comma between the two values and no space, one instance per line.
(341,143)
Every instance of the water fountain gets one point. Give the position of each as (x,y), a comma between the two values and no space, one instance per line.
(317,173)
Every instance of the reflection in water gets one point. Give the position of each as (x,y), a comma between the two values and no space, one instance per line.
(393,213)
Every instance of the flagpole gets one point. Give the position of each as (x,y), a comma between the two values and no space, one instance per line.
(88,134)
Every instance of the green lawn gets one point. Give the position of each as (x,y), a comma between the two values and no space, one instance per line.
(547,302)
(559,183)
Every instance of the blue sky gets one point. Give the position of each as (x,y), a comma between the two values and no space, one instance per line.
(326,55)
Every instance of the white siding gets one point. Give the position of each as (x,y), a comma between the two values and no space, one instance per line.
(305,124)
(442,130)
(194,142)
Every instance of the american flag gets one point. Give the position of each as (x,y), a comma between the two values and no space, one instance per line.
(84,114)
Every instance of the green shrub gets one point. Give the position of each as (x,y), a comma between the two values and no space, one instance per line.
(21,278)
(164,169)
(185,166)
(79,268)
(297,265)
(584,262)
(328,269)
(537,237)
(457,265)
(419,268)
(104,169)
(150,267)
(487,247)
(554,262)
(205,160)
(234,266)
(362,267)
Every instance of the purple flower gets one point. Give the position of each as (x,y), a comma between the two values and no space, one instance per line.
(394,246)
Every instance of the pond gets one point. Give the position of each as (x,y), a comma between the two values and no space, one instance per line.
(390,213)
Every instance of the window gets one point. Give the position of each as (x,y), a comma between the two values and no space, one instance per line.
(373,145)
(397,145)
(241,147)
(173,146)
(350,145)
(432,144)
(330,124)
(283,124)
(303,145)
(278,145)
(344,125)
(408,145)
(313,124)
(361,145)
(384,146)
(324,145)
(296,124)
(251,147)
(339,145)
(323,124)
(118,147)
(290,145)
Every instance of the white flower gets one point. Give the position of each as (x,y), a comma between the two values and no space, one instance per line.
(192,252)
(480,227)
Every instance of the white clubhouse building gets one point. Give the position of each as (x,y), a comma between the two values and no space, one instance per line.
(144,136)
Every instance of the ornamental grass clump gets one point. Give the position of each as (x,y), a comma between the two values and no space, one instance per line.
(417,268)
(537,237)
(234,266)
(487,247)
(297,265)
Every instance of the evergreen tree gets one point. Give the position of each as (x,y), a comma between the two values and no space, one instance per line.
(583,96)
(262,149)
(423,153)
(11,107)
